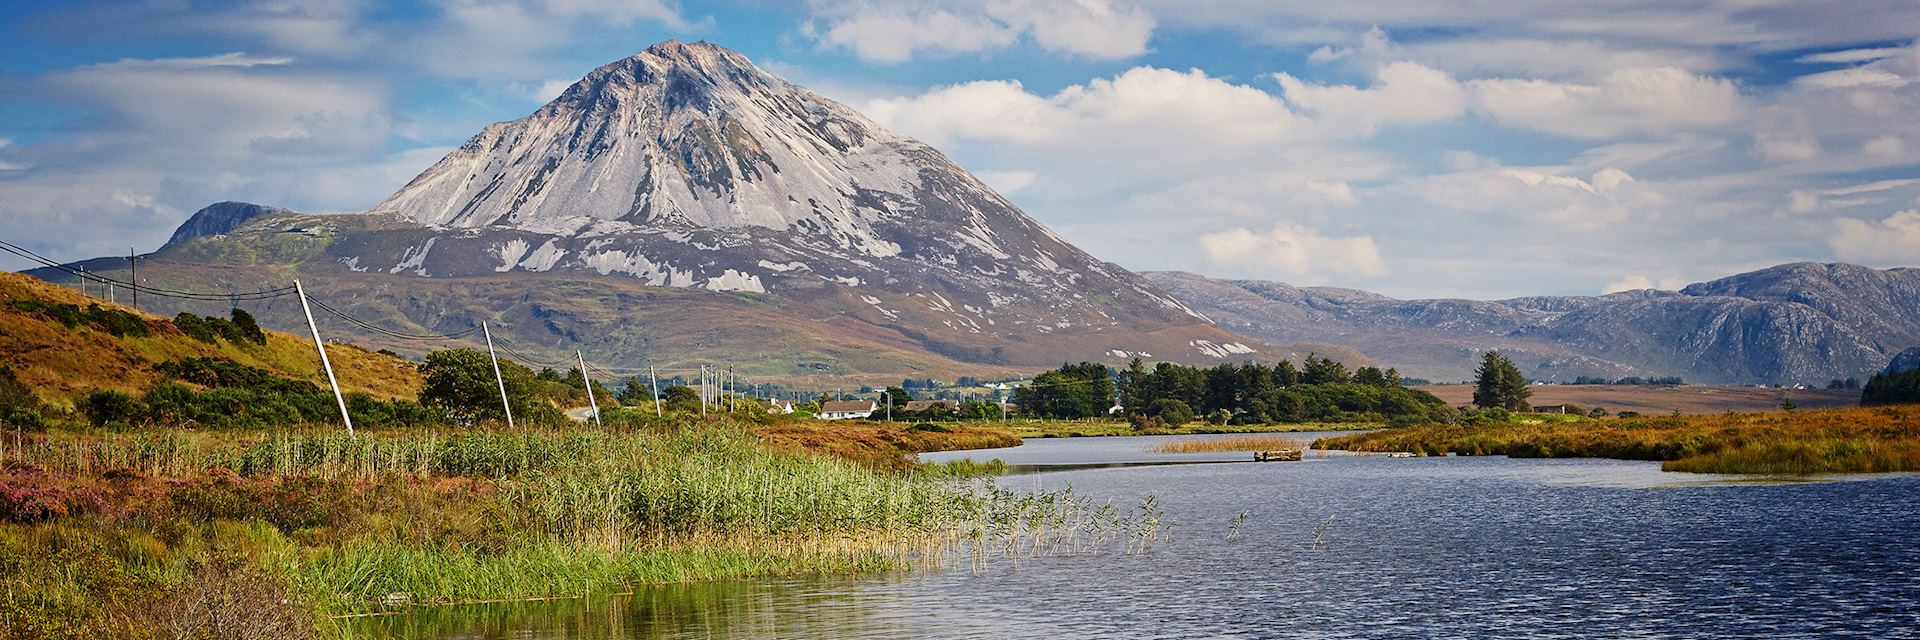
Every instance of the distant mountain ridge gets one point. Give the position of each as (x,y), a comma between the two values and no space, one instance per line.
(1792,323)
(684,204)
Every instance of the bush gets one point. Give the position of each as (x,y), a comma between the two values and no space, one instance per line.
(929,427)
(239,328)
(16,396)
(1172,412)
(108,407)
(1141,422)
(113,321)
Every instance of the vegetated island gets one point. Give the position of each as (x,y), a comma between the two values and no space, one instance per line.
(1867,439)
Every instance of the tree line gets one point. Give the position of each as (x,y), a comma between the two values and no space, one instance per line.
(1168,394)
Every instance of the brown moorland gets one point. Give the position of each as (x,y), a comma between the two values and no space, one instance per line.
(61,362)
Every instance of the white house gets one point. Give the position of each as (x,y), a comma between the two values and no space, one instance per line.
(848,409)
(778,407)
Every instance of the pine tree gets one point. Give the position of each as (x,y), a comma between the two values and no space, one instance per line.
(1497,383)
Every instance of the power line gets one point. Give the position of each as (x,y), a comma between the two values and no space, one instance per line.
(134,286)
(417,337)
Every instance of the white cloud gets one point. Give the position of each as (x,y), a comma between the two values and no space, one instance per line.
(1850,56)
(1142,108)
(1892,241)
(1292,251)
(1887,146)
(1539,58)
(549,90)
(169,136)
(1402,92)
(1637,282)
(1007,181)
(1852,78)
(1787,147)
(232,59)
(897,31)
(1645,100)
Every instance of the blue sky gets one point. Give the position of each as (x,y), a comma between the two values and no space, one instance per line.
(1446,148)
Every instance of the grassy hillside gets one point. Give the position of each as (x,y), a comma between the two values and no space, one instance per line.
(60,362)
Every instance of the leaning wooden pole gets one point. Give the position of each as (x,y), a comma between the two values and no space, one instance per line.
(583,378)
(502,380)
(324,362)
(654,379)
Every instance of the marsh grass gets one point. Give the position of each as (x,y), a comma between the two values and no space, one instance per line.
(358,524)
(1241,443)
(1850,440)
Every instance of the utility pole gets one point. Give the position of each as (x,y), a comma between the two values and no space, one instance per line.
(324,363)
(733,390)
(133,269)
(583,378)
(504,404)
(887,397)
(703,391)
(654,380)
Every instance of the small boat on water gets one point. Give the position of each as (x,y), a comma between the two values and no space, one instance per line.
(1278,455)
(1400,454)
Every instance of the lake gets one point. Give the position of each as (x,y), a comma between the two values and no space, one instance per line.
(1344,546)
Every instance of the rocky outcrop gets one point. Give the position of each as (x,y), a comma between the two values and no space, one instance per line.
(220,218)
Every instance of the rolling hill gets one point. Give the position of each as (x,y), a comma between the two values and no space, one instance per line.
(1793,323)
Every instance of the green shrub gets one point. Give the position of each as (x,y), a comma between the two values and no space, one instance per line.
(929,427)
(113,321)
(1173,412)
(108,407)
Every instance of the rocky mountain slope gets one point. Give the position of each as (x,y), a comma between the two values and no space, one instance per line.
(1791,323)
(692,206)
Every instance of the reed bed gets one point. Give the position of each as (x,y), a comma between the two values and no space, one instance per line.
(358,523)
(1242,443)
(1851,440)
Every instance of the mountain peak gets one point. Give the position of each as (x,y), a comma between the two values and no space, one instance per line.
(687,165)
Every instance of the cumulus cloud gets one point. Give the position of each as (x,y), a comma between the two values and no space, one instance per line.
(1153,107)
(1891,241)
(1293,251)
(897,31)
(1649,100)
(170,135)
(1402,92)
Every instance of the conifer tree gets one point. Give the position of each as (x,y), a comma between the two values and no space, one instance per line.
(1497,383)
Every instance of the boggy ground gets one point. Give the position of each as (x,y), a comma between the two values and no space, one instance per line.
(158,533)
(1849,440)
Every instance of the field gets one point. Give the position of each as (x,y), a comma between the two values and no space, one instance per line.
(1664,400)
(1849,440)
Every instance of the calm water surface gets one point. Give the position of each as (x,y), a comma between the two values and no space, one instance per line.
(1416,548)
